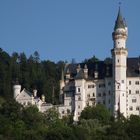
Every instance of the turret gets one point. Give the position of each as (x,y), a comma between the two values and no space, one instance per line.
(78,68)
(67,74)
(119,57)
(16,89)
(85,71)
(120,31)
(43,98)
(96,72)
(35,92)
(62,84)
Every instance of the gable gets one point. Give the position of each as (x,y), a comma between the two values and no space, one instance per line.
(24,95)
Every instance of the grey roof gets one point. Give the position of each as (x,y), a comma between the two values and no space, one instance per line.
(133,65)
(105,69)
(80,75)
(120,22)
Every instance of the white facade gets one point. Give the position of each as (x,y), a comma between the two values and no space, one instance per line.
(27,98)
(115,84)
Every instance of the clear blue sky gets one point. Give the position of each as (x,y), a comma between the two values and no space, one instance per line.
(66,29)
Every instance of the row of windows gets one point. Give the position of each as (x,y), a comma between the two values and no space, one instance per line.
(88,95)
(90,86)
(109,101)
(137,92)
(136,82)
(68,111)
(104,94)
(100,85)
(131,108)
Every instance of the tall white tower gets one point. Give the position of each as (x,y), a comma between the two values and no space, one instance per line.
(119,56)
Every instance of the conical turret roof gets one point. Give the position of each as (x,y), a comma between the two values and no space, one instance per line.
(120,23)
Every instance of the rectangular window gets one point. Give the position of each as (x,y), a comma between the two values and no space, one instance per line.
(137,83)
(137,91)
(137,108)
(70,103)
(134,100)
(129,91)
(129,82)
(88,95)
(78,89)
(130,108)
(63,112)
(79,98)
(90,86)
(99,94)
(109,83)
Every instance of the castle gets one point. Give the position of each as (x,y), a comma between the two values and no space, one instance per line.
(116,84)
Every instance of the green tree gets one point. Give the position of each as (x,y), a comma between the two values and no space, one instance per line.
(98,112)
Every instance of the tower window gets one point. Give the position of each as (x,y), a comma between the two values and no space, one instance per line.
(79,98)
(134,100)
(118,61)
(129,82)
(78,89)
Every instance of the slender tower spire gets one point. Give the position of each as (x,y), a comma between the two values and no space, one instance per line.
(62,75)
(119,57)
(62,84)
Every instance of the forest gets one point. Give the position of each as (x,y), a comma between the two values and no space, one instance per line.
(95,123)
(27,123)
(31,73)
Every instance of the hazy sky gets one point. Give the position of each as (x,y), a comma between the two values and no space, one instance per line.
(66,29)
